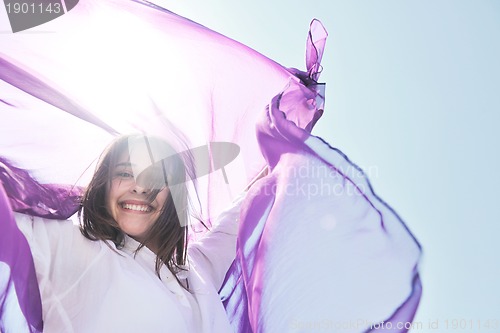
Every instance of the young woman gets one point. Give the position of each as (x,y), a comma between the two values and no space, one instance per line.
(317,248)
(128,267)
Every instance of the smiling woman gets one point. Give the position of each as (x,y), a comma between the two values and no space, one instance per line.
(129,195)
(312,247)
(132,248)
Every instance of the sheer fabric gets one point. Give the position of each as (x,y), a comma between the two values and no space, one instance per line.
(315,247)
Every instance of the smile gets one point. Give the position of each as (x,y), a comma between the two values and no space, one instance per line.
(137,208)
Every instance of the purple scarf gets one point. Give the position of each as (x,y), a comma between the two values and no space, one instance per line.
(317,249)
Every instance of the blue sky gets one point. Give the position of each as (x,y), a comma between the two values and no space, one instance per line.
(413,97)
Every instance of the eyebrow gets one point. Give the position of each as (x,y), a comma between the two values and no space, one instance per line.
(123,164)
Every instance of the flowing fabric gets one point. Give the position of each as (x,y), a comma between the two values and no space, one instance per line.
(317,248)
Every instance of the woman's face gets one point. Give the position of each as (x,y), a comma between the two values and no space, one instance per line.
(128,197)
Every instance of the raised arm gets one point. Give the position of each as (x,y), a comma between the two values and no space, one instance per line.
(215,252)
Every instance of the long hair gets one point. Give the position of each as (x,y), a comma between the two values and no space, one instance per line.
(169,233)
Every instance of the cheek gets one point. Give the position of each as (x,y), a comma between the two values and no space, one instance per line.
(109,205)
(116,188)
(163,196)
(163,199)
(111,196)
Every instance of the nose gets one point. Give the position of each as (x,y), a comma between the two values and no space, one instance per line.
(138,189)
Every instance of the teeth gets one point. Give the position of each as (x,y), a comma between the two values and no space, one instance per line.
(140,208)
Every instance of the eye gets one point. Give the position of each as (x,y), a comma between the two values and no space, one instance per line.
(124,174)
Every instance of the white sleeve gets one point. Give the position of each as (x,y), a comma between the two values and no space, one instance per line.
(60,252)
(214,253)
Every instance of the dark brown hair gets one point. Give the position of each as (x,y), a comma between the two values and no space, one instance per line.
(169,234)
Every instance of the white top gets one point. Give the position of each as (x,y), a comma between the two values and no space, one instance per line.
(88,286)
